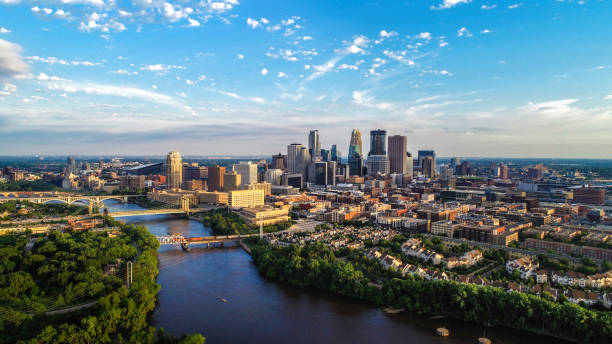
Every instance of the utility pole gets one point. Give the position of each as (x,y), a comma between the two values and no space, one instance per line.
(129,274)
(261,226)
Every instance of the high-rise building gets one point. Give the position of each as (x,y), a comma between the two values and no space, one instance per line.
(303,159)
(428,166)
(409,165)
(193,185)
(398,159)
(191,172)
(378,164)
(355,145)
(247,171)
(332,166)
(174,170)
(378,142)
(71,165)
(231,181)
(454,162)
(273,176)
(292,157)
(325,155)
(503,171)
(314,145)
(425,153)
(355,156)
(278,161)
(335,154)
(215,178)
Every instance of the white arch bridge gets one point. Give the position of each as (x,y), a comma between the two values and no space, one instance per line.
(91,201)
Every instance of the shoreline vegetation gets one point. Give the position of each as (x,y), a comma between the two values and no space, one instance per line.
(120,315)
(316,266)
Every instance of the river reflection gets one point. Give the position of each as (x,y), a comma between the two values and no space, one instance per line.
(195,285)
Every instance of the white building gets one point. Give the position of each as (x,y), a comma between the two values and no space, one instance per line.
(247,171)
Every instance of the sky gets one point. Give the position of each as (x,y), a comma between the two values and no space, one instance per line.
(237,77)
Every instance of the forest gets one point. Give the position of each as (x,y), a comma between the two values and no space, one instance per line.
(316,265)
(67,269)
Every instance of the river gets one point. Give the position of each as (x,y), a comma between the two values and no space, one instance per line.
(194,284)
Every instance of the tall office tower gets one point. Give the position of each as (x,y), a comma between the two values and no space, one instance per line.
(335,154)
(174,170)
(378,164)
(314,145)
(303,159)
(292,157)
(378,142)
(398,146)
(454,162)
(355,146)
(409,165)
(355,156)
(426,153)
(231,181)
(317,172)
(248,172)
(215,178)
(71,165)
(273,176)
(278,162)
(356,165)
(326,155)
(429,168)
(191,172)
(332,166)
(464,168)
(503,171)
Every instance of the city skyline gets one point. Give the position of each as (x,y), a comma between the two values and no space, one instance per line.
(463,78)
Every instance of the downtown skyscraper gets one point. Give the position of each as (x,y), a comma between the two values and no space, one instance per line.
(314,145)
(174,170)
(398,158)
(355,155)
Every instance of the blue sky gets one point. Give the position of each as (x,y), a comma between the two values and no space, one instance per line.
(466,78)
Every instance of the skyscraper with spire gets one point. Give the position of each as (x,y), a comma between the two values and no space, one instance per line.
(314,145)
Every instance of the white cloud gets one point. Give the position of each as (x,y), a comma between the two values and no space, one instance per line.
(355,46)
(450,3)
(160,68)
(10,2)
(551,108)
(221,6)
(124,72)
(485,31)
(11,61)
(347,66)
(306,38)
(387,34)
(264,20)
(487,7)
(111,90)
(54,60)
(286,22)
(424,35)
(240,56)
(264,71)
(361,98)
(608,97)
(252,22)
(281,75)
(464,32)
(193,22)
(4,30)
(443,44)
(202,77)
(45,77)
(515,5)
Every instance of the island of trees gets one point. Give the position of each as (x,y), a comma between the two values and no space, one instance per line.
(42,284)
(350,274)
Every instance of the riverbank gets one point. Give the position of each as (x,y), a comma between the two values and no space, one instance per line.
(316,266)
